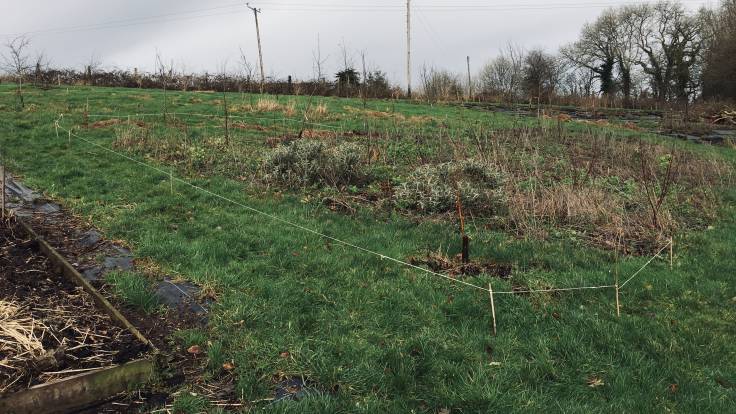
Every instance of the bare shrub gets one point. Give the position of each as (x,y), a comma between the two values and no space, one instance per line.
(318,112)
(17,63)
(440,85)
(267,105)
(609,187)
(289,109)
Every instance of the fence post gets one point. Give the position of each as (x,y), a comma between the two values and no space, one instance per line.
(466,250)
(493,307)
(618,302)
(2,190)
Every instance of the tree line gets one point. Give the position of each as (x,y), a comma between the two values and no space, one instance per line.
(653,52)
(658,52)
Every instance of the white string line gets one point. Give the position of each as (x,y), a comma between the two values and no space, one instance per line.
(276,218)
(646,264)
(519,292)
(216,116)
(187,295)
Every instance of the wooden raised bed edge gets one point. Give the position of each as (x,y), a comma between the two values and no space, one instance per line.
(84,390)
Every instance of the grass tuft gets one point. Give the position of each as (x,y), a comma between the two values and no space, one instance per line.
(134,289)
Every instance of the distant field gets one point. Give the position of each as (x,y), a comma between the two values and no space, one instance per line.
(547,203)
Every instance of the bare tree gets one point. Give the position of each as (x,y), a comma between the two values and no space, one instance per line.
(578,82)
(440,85)
(318,62)
(671,45)
(719,73)
(93,65)
(17,63)
(503,74)
(224,77)
(164,73)
(41,65)
(347,57)
(542,73)
(247,70)
(596,50)
(348,76)
(627,52)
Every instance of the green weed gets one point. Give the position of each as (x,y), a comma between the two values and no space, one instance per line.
(134,289)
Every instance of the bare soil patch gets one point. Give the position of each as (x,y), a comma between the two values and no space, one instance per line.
(454,266)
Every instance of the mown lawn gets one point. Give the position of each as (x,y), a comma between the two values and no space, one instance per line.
(374,336)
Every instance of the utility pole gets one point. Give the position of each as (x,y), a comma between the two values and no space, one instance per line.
(365,80)
(470,82)
(260,52)
(408,48)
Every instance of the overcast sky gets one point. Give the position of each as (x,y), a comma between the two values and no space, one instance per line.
(200,35)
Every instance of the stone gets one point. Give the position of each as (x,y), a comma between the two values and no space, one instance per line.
(93,274)
(180,296)
(90,238)
(122,251)
(49,208)
(14,188)
(124,263)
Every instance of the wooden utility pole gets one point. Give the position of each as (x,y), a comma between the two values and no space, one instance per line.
(408,48)
(365,80)
(470,82)
(260,51)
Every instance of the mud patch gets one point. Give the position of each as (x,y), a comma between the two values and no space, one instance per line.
(115,121)
(455,267)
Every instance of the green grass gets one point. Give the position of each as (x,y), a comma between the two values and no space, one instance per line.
(190,403)
(377,337)
(133,289)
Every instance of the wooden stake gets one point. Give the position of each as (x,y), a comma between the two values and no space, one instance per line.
(493,307)
(618,302)
(470,82)
(466,250)
(2,191)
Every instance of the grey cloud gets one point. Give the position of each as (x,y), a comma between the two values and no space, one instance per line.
(440,38)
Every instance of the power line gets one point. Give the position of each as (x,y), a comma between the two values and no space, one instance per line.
(320,8)
(446,6)
(129,22)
